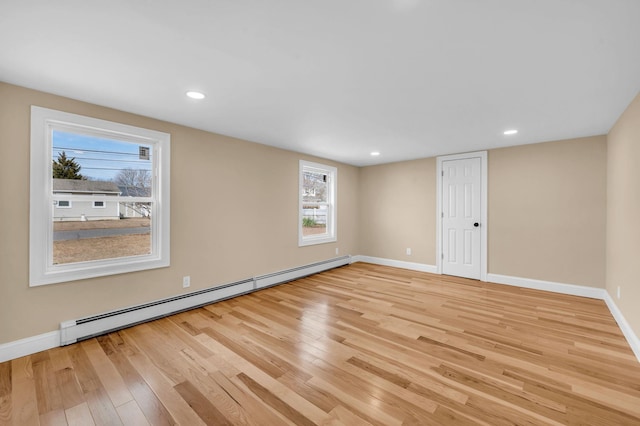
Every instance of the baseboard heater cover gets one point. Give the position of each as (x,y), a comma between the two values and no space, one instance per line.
(299,272)
(73,331)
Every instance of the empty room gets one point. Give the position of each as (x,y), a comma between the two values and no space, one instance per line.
(380,212)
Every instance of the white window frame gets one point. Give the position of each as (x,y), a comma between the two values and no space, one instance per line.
(58,206)
(332,208)
(41,268)
(103,206)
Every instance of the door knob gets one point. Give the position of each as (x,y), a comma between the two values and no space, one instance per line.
(476,224)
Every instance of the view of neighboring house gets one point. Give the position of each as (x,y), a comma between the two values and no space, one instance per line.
(134,209)
(99,209)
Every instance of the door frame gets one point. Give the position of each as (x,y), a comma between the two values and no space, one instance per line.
(483,208)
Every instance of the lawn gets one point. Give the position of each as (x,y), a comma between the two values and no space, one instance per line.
(87,249)
(77,225)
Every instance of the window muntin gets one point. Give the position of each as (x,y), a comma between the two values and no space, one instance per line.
(317,208)
(115,179)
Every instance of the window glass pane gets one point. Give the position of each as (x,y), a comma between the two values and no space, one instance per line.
(314,187)
(314,220)
(78,239)
(93,158)
(109,170)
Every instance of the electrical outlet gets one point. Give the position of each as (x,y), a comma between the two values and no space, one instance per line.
(618,292)
(408,251)
(337,250)
(186,281)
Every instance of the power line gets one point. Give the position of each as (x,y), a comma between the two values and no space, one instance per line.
(59,148)
(108,168)
(111,159)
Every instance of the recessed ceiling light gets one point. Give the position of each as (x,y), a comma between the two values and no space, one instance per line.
(195,95)
(375,153)
(510,132)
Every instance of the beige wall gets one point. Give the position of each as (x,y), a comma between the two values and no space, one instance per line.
(547,205)
(547,211)
(398,211)
(216,184)
(623,214)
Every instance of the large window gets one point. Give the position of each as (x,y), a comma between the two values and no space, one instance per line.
(99,197)
(317,220)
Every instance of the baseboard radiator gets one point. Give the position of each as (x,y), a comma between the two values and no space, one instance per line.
(85,328)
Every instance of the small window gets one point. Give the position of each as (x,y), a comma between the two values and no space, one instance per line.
(317,207)
(113,181)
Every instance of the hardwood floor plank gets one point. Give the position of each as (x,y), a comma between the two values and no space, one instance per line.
(163,389)
(201,405)
(246,353)
(54,418)
(358,345)
(5,379)
(256,374)
(5,409)
(342,416)
(163,352)
(395,401)
(274,401)
(205,376)
(24,406)
(155,412)
(323,400)
(513,395)
(80,415)
(256,412)
(131,415)
(102,410)
(6,389)
(59,358)
(47,391)
(360,408)
(107,373)
(72,395)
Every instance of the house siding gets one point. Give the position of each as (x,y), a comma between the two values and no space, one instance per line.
(78,209)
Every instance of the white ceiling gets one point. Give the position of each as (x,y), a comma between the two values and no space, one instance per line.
(339,78)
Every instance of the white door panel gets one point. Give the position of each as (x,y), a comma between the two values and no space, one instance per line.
(461,215)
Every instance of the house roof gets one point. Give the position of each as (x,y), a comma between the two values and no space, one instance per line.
(134,191)
(85,186)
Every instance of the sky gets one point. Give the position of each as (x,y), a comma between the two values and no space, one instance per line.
(100,158)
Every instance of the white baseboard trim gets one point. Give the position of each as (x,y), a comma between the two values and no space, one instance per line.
(572,289)
(631,337)
(29,345)
(422,267)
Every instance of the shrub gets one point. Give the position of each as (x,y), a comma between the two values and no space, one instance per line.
(308,222)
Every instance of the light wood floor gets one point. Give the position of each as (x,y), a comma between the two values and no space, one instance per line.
(361,344)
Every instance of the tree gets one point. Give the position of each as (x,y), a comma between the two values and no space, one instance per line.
(66,168)
(134,182)
(314,186)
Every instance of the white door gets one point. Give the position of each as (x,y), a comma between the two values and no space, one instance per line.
(461,217)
